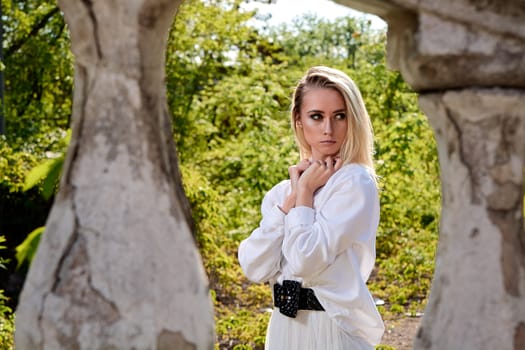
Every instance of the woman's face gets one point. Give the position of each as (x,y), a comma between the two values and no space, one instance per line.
(323,121)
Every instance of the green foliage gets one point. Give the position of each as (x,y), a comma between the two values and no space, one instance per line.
(3,260)
(27,250)
(47,173)
(204,35)
(244,329)
(38,75)
(7,329)
(13,166)
(235,143)
(7,323)
(229,88)
(385,347)
(310,40)
(20,210)
(407,237)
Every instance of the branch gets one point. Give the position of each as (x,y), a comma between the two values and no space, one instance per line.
(17,44)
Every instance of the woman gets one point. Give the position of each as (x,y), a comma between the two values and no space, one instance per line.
(316,241)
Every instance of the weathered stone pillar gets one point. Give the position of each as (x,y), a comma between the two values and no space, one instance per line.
(467,61)
(117,267)
(478,293)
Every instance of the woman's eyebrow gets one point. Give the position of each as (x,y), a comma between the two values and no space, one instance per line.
(342,110)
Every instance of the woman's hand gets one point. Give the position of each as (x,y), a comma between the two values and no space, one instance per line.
(314,177)
(295,172)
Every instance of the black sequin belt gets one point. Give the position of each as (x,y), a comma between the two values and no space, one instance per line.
(290,297)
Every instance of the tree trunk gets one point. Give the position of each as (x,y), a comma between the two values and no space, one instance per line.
(117,267)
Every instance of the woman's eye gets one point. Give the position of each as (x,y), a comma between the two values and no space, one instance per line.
(316,116)
(340,116)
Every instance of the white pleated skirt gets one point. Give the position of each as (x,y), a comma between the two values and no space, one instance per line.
(310,330)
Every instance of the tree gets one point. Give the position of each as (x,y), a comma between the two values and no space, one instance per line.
(228,88)
(202,41)
(38,74)
(117,266)
(313,37)
(2,118)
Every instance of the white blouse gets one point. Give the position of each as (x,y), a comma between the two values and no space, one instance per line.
(330,248)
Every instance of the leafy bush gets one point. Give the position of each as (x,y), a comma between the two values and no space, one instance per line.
(7,323)
(410,200)
(14,166)
(235,143)
(20,211)
(229,88)
(45,176)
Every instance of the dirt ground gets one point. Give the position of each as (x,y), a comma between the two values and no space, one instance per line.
(400,333)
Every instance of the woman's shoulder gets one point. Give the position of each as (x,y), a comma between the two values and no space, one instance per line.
(355,172)
(352,180)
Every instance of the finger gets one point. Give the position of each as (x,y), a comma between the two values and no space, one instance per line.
(329,162)
(293,182)
(306,162)
(303,165)
(321,164)
(292,170)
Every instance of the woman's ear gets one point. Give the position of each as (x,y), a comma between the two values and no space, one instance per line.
(298,123)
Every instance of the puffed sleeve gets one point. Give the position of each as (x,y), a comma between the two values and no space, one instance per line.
(347,217)
(260,254)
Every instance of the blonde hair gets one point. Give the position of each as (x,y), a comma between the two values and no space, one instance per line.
(359,144)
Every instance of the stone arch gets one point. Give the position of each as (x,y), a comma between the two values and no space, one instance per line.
(466,60)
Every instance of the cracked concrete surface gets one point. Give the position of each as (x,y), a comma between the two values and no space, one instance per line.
(117,267)
(127,222)
(479,261)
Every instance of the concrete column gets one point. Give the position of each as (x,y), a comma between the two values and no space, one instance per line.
(467,61)
(478,293)
(117,266)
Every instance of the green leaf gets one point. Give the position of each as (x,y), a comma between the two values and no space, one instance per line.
(47,171)
(27,249)
(3,261)
(52,178)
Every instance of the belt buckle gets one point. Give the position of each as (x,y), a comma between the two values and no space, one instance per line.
(286,297)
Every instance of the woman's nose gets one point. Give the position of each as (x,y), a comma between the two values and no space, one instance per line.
(327,127)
